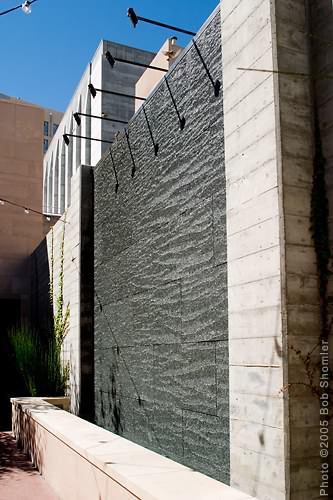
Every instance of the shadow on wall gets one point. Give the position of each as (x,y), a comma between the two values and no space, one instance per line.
(116,407)
(110,406)
(277,354)
(13,310)
(41,308)
(11,381)
(38,313)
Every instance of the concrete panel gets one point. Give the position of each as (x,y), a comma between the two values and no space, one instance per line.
(253,235)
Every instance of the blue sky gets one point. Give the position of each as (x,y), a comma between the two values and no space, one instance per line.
(44,54)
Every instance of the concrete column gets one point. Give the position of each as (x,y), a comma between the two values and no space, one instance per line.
(67,178)
(96,106)
(78,268)
(294,97)
(55,181)
(76,142)
(50,185)
(46,187)
(255,266)
(62,178)
(69,167)
(86,129)
(272,272)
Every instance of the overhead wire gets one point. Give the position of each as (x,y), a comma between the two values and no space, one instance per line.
(27,209)
(21,6)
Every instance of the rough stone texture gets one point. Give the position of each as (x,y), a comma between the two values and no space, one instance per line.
(161,329)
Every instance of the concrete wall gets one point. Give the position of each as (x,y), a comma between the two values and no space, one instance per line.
(322,65)
(256,369)
(301,294)
(76,228)
(161,350)
(121,78)
(272,272)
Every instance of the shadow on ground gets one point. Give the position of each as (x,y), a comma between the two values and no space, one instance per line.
(11,458)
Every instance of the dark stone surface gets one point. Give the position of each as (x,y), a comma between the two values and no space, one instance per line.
(87,297)
(161,332)
(206,443)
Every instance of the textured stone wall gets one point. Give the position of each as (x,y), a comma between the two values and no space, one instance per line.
(161,332)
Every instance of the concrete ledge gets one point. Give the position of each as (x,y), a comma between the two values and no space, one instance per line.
(82,461)
(63,403)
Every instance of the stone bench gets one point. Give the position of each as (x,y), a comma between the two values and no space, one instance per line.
(82,461)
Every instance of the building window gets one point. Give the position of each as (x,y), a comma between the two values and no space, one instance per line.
(46,145)
(46,129)
(55,126)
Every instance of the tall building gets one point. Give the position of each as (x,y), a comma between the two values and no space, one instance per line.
(25,128)
(61,161)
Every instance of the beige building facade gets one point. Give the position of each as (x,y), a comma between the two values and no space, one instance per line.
(164,59)
(22,140)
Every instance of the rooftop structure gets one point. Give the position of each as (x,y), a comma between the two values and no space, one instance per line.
(61,162)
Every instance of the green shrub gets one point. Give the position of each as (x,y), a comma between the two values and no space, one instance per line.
(24,344)
(39,362)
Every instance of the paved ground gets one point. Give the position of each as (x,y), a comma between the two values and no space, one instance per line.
(18,479)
